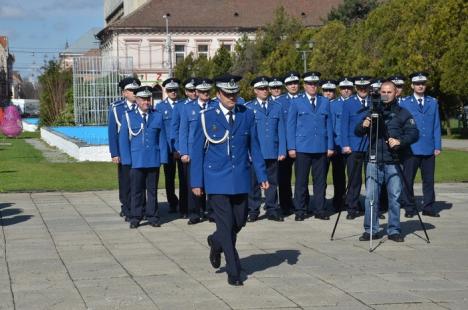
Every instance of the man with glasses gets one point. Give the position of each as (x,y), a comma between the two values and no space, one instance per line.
(189,124)
(143,147)
(272,136)
(225,146)
(328,89)
(354,147)
(425,110)
(310,142)
(291,82)
(166,108)
(189,87)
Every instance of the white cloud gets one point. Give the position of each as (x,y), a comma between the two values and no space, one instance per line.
(9,11)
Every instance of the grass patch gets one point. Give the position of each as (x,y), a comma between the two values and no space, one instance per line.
(24,169)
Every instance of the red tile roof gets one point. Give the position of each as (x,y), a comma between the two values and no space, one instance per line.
(234,15)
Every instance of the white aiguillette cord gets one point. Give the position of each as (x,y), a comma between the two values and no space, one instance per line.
(131,133)
(208,138)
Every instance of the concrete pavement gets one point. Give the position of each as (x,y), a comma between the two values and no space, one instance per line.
(73,251)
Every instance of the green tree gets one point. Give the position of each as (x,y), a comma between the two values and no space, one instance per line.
(221,62)
(56,95)
(351,11)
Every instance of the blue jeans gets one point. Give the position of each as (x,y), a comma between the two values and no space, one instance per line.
(376,174)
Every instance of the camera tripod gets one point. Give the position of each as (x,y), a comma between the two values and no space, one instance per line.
(373,158)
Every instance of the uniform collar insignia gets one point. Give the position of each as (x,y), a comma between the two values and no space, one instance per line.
(218,111)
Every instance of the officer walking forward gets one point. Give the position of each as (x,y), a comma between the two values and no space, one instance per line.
(221,168)
(144,148)
(117,110)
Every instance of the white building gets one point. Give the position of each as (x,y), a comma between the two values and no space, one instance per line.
(197,26)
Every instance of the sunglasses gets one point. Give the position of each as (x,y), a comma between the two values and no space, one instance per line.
(292,83)
(275,87)
(261,88)
(419,83)
(328,90)
(171,90)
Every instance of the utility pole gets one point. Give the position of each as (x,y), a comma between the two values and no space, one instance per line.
(304,52)
(168,43)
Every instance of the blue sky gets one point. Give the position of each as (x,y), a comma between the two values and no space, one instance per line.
(43,26)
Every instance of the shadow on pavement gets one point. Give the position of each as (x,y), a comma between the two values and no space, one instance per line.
(10,216)
(264,261)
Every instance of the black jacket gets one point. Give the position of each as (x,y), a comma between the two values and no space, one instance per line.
(394,122)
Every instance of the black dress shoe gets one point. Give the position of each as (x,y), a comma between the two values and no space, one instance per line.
(396,238)
(275,217)
(127,219)
(215,256)
(155,224)
(210,219)
(366,236)
(234,281)
(122,214)
(351,215)
(134,225)
(194,220)
(431,213)
(252,218)
(299,218)
(410,214)
(322,217)
(287,212)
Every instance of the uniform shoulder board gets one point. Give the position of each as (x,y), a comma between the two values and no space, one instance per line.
(117,103)
(248,103)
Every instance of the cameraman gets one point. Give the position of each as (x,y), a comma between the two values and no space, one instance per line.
(395,130)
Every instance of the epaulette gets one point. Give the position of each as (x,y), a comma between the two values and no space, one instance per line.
(117,103)
(248,103)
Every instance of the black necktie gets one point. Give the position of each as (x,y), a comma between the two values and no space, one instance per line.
(203,106)
(264,107)
(231,118)
(144,118)
(363,103)
(420,104)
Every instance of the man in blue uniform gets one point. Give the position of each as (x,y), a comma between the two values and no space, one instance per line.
(116,111)
(189,124)
(393,133)
(425,111)
(291,81)
(275,87)
(189,87)
(337,160)
(271,133)
(354,147)
(399,81)
(220,167)
(310,142)
(170,109)
(143,147)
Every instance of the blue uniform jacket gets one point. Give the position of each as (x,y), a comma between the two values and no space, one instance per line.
(189,121)
(171,118)
(428,123)
(116,112)
(309,129)
(147,146)
(352,115)
(270,128)
(336,110)
(224,168)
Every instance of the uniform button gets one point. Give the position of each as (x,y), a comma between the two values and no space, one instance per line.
(209,166)
(233,166)
(233,156)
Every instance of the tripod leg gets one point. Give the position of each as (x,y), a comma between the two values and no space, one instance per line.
(353,173)
(411,198)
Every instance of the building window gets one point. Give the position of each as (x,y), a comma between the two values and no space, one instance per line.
(227,46)
(202,50)
(179,53)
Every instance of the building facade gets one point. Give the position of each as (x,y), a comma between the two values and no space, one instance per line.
(199,27)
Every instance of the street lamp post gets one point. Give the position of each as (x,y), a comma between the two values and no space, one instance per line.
(304,52)
(168,43)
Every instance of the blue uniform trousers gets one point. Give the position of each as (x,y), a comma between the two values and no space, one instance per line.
(144,188)
(123,172)
(271,194)
(196,205)
(169,176)
(338,163)
(303,165)
(354,163)
(284,184)
(427,165)
(230,214)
